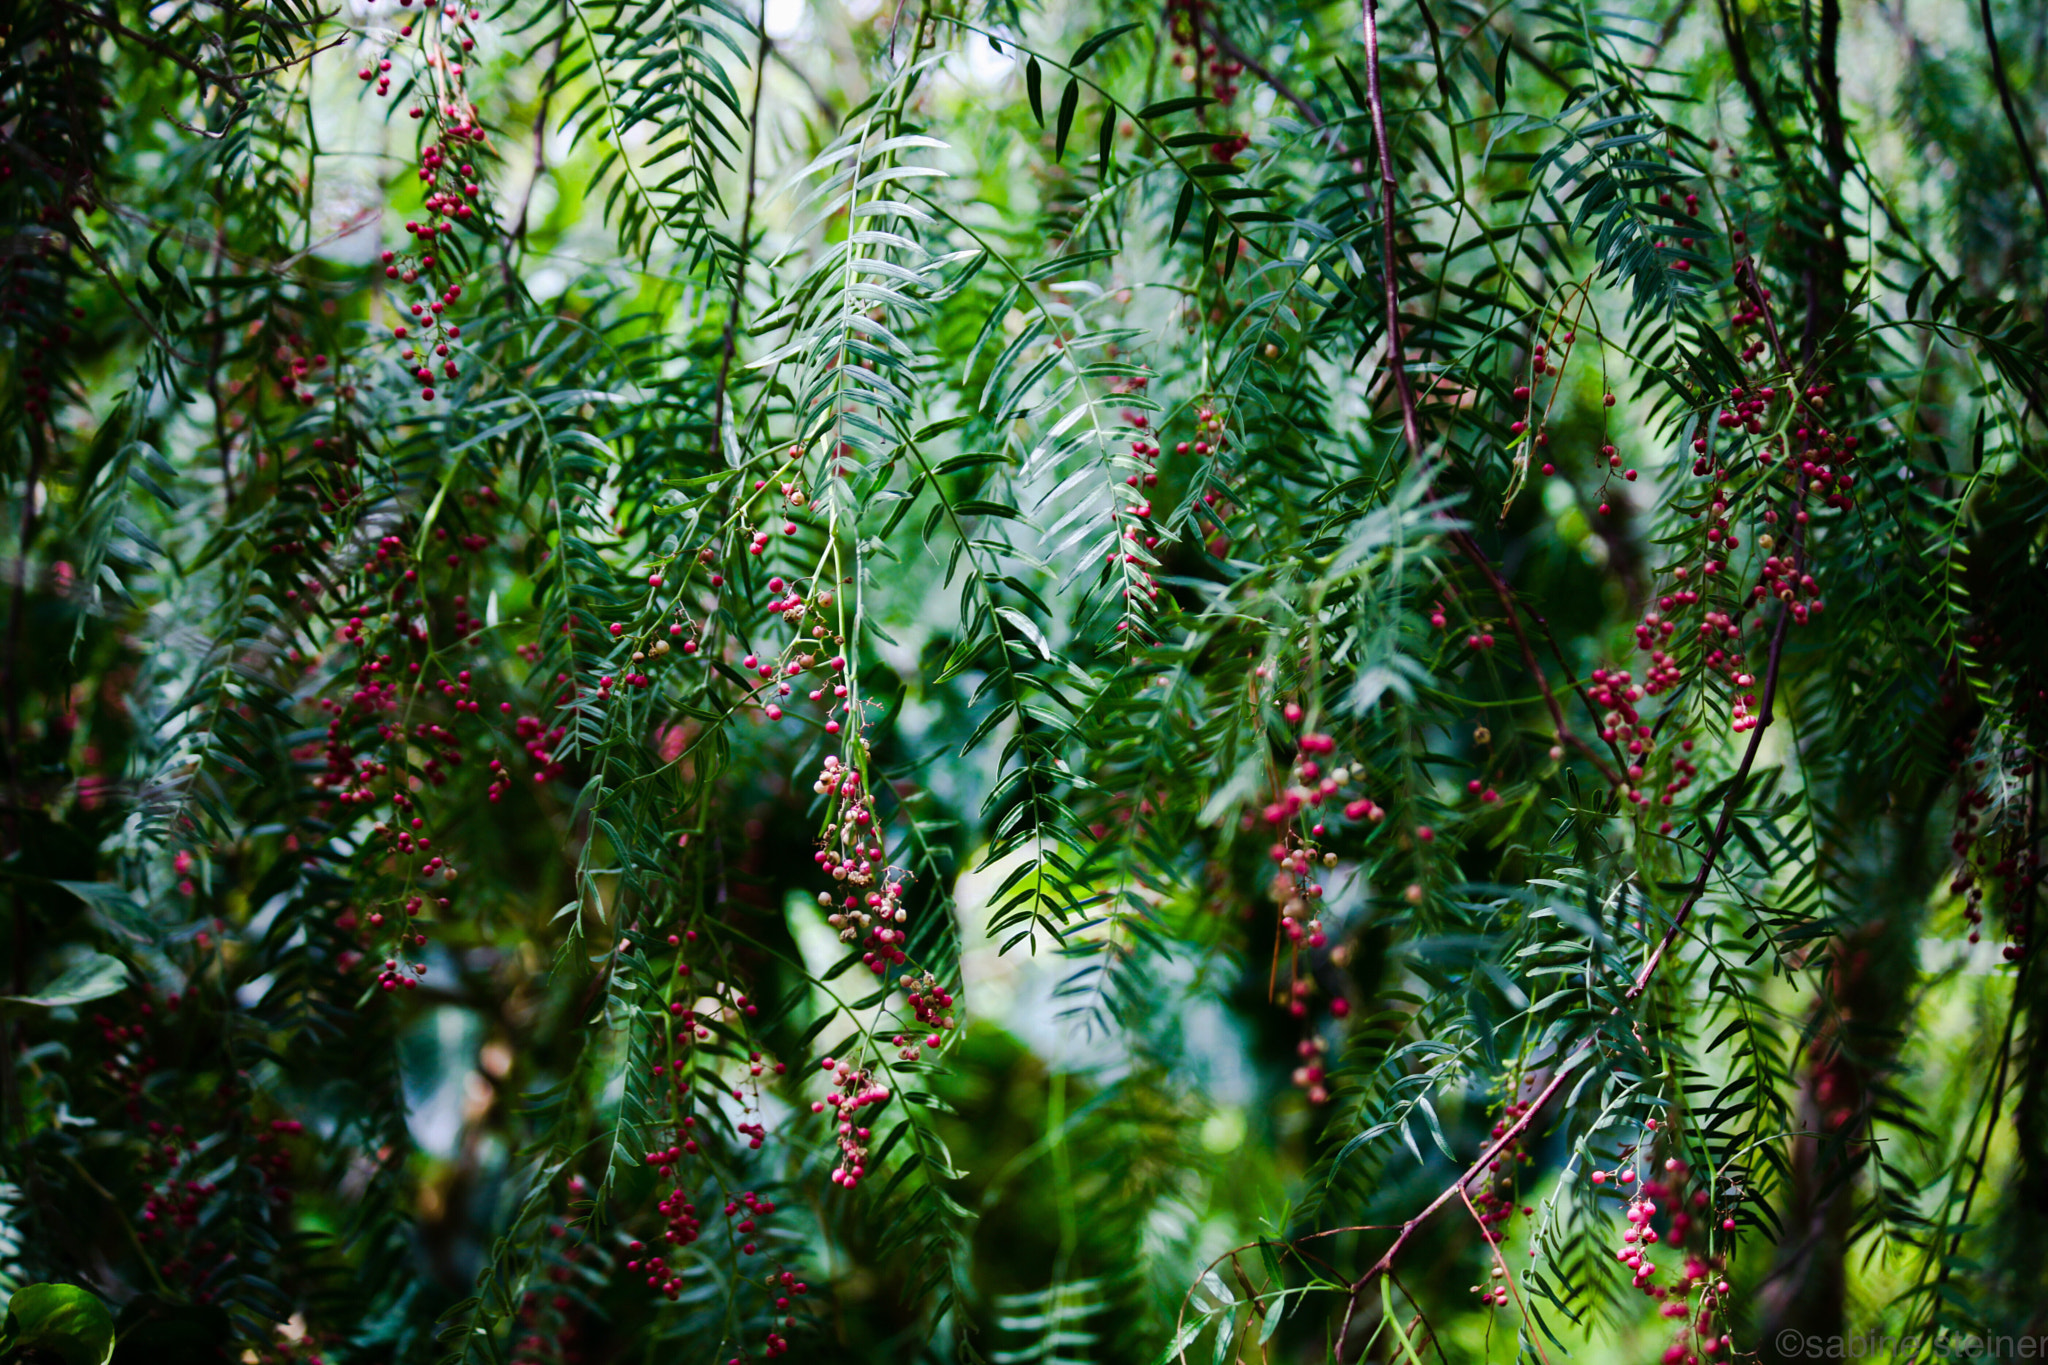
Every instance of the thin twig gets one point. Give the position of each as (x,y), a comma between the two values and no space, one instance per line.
(1745,76)
(1578,690)
(1506,1275)
(1257,68)
(1464,541)
(2012,113)
(1456,1188)
(229,81)
(1412,430)
(1411,426)
(540,160)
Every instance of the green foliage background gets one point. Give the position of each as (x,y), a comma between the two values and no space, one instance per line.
(946,270)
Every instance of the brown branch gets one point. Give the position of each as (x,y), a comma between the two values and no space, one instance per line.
(1411,429)
(192,128)
(1436,52)
(1464,541)
(108,20)
(1411,426)
(2012,113)
(229,81)
(1385,1264)
(1253,65)
(1745,76)
(1724,827)
(1507,1276)
(540,160)
(1826,263)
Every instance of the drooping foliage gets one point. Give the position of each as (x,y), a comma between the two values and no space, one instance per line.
(979,682)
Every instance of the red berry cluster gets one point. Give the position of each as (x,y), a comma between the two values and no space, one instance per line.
(1496,1200)
(853,1089)
(872,911)
(1295,887)
(131,1060)
(1991,843)
(1201,64)
(1139,585)
(452,186)
(1689,1295)
(932,1003)
(297,371)
(1546,365)
(1682,264)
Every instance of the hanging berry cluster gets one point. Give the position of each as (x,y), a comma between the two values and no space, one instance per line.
(1297,817)
(451,186)
(1992,841)
(1697,1294)
(1496,1198)
(1206,66)
(1142,529)
(853,1089)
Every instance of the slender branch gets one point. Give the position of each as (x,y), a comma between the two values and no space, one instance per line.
(1385,1264)
(230,81)
(1257,68)
(110,21)
(1579,691)
(1827,262)
(1722,829)
(1501,1266)
(1411,428)
(1735,789)
(1745,76)
(2012,113)
(540,160)
(1464,541)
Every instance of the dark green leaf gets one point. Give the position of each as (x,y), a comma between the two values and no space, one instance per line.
(1100,41)
(1070,100)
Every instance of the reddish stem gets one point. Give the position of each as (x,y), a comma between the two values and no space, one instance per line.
(1411,425)
(1411,429)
